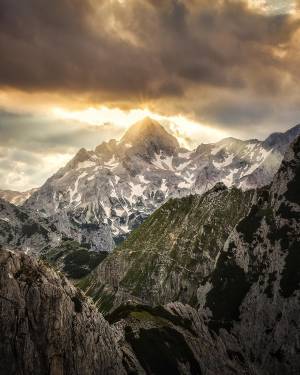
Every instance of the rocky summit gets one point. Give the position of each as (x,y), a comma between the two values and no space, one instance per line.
(100,196)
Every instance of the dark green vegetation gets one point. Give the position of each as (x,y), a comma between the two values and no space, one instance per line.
(73,259)
(167,257)
(157,313)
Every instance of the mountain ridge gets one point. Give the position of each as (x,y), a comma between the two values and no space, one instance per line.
(112,189)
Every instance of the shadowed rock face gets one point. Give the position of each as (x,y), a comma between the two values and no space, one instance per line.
(173,339)
(47,326)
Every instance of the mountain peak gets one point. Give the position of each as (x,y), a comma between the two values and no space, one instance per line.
(150,133)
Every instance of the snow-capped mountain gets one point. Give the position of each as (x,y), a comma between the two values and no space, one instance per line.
(101,195)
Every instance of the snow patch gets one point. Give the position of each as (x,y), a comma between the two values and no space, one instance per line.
(185,155)
(143,180)
(112,163)
(85,164)
(264,154)
(163,162)
(228,180)
(106,208)
(74,195)
(136,189)
(164,186)
(181,166)
(215,150)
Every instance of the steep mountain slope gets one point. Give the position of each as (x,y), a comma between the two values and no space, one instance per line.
(166,258)
(16,197)
(101,195)
(47,326)
(254,290)
(21,230)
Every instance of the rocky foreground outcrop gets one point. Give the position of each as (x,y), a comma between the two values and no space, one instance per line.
(47,326)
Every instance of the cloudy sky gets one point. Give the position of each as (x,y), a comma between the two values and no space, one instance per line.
(76,72)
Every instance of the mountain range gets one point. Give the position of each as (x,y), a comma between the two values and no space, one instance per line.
(100,196)
(208,284)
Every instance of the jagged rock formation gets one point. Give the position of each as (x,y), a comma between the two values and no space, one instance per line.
(101,195)
(16,197)
(47,326)
(254,290)
(166,258)
(20,229)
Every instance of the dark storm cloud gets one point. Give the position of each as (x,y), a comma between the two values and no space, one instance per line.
(154,48)
(202,58)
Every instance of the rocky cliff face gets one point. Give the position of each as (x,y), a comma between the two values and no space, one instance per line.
(166,258)
(102,195)
(254,290)
(22,230)
(47,326)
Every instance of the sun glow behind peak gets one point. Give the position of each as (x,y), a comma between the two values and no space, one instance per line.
(188,132)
